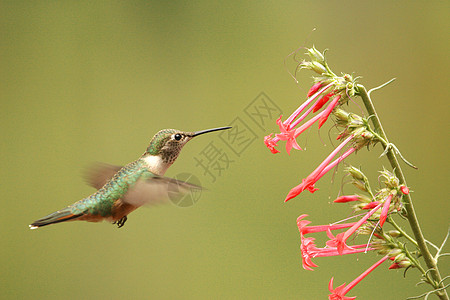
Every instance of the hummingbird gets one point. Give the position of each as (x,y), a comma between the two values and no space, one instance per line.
(121,190)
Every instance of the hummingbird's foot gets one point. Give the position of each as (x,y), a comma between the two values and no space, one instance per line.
(121,222)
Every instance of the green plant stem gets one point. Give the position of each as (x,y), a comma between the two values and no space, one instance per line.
(391,220)
(412,218)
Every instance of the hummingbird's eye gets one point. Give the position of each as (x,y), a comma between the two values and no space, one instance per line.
(177,136)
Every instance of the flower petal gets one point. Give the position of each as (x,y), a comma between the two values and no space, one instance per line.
(328,110)
(314,89)
(270,143)
(321,102)
(385,210)
(345,199)
(404,189)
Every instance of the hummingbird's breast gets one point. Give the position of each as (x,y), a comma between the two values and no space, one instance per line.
(155,164)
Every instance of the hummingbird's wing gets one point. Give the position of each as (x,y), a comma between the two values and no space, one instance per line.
(157,189)
(154,190)
(97,174)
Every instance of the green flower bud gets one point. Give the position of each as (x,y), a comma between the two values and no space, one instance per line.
(399,257)
(395,252)
(405,263)
(394,233)
(359,185)
(341,114)
(306,65)
(383,251)
(355,173)
(316,55)
(318,68)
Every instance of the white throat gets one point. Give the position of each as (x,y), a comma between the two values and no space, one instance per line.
(156,165)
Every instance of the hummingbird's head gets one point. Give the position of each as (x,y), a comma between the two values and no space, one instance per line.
(166,145)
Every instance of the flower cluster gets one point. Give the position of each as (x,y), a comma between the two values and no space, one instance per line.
(387,200)
(328,86)
(371,223)
(325,98)
(337,90)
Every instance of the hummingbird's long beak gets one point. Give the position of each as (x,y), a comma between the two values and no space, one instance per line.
(210,130)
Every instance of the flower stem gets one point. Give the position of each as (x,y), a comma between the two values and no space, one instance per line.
(412,218)
(391,220)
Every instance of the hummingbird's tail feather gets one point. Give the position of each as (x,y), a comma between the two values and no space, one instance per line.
(56,217)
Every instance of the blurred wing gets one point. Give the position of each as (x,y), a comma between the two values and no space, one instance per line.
(156,190)
(98,174)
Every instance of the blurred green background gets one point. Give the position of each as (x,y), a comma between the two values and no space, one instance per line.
(85,81)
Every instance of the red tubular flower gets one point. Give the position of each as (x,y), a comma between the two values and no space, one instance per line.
(309,249)
(321,102)
(339,292)
(339,241)
(371,205)
(404,189)
(302,117)
(290,134)
(328,110)
(325,166)
(385,210)
(337,161)
(314,88)
(287,135)
(345,199)
(270,143)
(287,132)
(305,229)
(305,104)
(306,125)
(313,109)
